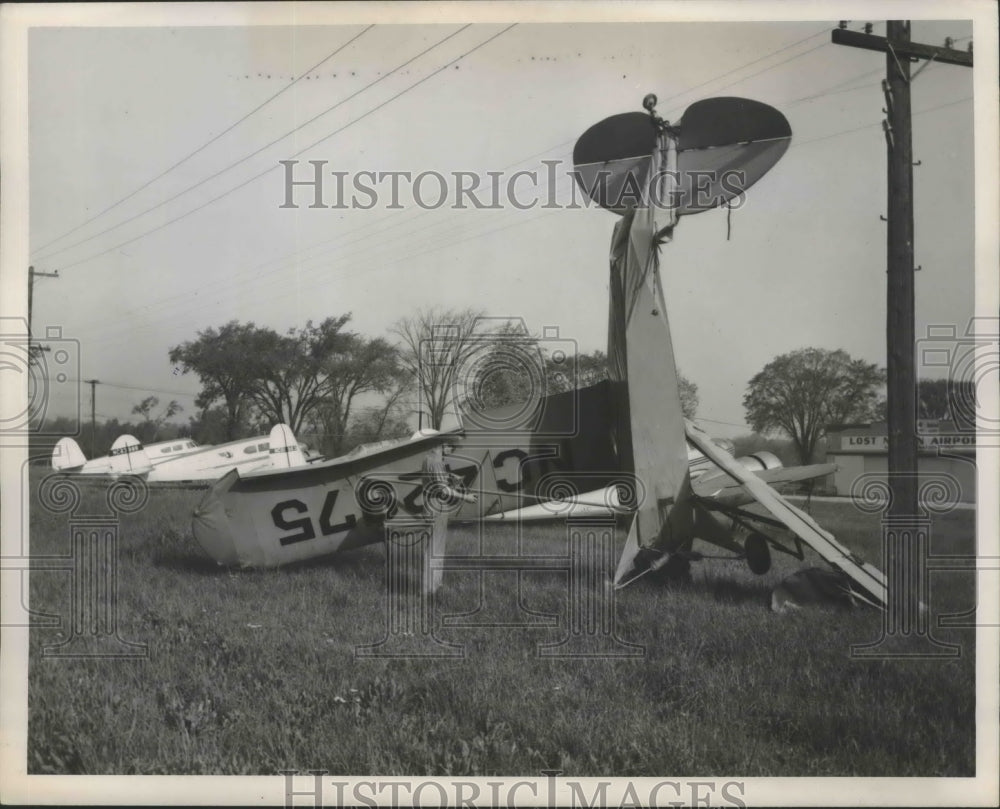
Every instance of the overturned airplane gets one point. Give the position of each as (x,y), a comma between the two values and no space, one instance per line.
(629,449)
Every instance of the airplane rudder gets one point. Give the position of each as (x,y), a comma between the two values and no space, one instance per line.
(66,454)
(128,457)
(284,448)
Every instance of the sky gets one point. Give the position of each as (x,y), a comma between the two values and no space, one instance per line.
(151,247)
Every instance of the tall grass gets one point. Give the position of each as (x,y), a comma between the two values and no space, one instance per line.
(251,672)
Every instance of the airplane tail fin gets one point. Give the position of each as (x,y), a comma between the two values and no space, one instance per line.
(128,457)
(285,450)
(67,455)
(649,426)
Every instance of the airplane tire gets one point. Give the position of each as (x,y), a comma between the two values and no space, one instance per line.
(758,553)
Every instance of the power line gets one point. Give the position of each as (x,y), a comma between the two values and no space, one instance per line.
(717,421)
(567,142)
(794,144)
(741,67)
(564,143)
(186,298)
(261,149)
(201,148)
(832,91)
(489,231)
(140,389)
(477,234)
(410,255)
(296,154)
(385,264)
(410,234)
(822,32)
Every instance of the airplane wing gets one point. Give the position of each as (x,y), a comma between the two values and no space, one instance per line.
(720,484)
(716,485)
(869,578)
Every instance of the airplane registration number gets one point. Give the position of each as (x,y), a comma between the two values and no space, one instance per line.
(283,515)
(293,515)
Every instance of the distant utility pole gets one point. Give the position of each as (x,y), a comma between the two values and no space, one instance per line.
(93,415)
(900,330)
(32,275)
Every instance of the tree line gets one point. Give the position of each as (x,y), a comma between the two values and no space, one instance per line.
(804,393)
(337,388)
(342,388)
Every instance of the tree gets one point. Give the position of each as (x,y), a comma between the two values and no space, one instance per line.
(511,369)
(593,368)
(263,378)
(349,367)
(946,400)
(150,427)
(377,423)
(227,363)
(589,369)
(689,396)
(438,345)
(209,426)
(803,392)
(288,384)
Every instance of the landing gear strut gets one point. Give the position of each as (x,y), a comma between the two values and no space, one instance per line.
(676,569)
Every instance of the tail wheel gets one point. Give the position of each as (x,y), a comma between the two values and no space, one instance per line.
(758,553)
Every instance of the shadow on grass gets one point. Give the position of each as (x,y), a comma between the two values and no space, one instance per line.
(363,563)
(187,562)
(725,590)
(360,564)
(732,591)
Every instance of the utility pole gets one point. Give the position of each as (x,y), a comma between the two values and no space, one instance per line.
(93,415)
(906,528)
(900,330)
(32,275)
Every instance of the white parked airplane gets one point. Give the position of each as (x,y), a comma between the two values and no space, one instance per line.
(183,461)
(68,457)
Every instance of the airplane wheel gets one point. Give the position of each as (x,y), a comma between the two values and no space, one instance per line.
(758,553)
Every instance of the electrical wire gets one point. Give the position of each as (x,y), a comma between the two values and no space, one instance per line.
(504,227)
(296,154)
(822,32)
(139,388)
(201,148)
(256,152)
(186,298)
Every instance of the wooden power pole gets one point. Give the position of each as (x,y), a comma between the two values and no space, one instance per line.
(901,380)
(33,347)
(93,415)
(905,529)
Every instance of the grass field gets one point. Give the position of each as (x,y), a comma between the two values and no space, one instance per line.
(251,672)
